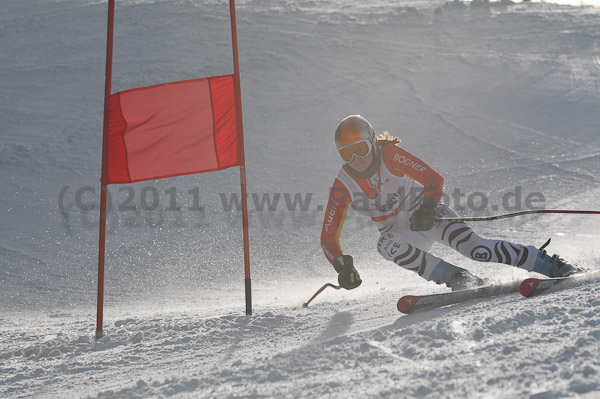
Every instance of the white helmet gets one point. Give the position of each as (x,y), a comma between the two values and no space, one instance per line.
(355,137)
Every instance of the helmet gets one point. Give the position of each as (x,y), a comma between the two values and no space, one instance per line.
(355,137)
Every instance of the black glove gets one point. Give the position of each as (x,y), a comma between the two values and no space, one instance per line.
(422,218)
(348,277)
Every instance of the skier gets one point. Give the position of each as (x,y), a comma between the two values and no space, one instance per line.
(401,194)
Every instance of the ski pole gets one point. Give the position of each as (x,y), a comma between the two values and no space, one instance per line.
(337,287)
(509,215)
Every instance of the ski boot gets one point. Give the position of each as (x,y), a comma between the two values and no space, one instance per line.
(454,277)
(463,280)
(552,266)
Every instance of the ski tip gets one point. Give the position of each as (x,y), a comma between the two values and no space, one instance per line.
(406,303)
(304,305)
(528,286)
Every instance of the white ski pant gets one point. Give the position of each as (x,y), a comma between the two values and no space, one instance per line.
(409,249)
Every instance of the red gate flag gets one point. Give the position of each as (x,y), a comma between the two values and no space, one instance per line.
(172,129)
(167,130)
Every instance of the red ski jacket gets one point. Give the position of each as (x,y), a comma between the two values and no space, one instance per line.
(394,191)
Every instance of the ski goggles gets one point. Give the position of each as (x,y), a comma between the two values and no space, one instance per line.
(360,149)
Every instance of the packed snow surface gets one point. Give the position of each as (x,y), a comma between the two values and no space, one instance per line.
(502,99)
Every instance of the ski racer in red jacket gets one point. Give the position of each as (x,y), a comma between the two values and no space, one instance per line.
(401,194)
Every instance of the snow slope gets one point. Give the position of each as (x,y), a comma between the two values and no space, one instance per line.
(497,98)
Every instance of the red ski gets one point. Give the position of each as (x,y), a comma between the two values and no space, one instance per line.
(535,286)
(417,303)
